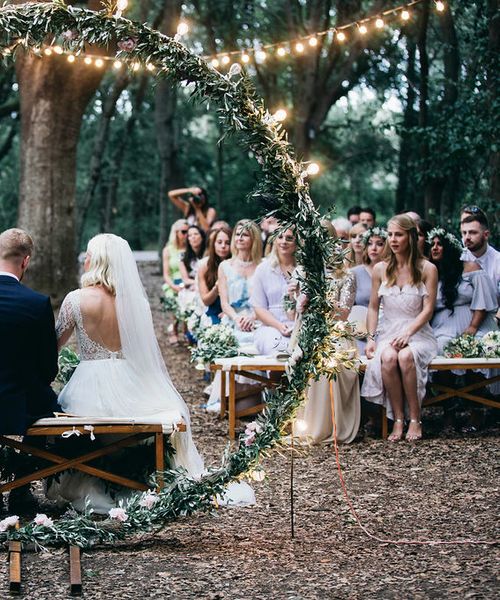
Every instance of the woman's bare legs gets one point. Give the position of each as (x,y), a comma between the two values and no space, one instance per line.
(391,378)
(409,379)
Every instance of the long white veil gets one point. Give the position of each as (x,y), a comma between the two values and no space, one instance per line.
(141,351)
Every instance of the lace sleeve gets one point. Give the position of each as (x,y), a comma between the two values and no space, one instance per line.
(66,318)
(347,292)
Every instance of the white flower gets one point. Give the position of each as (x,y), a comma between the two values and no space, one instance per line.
(43,520)
(119,514)
(9,522)
(148,500)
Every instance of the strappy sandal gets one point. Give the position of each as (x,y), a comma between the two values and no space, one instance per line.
(414,437)
(397,437)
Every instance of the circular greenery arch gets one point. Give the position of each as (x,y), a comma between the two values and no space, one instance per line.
(282,190)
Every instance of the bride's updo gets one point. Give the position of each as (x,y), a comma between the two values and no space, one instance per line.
(99,268)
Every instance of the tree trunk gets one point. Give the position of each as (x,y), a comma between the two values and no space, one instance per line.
(53,98)
(167,132)
(405,196)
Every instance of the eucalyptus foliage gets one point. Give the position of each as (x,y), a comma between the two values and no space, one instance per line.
(283,191)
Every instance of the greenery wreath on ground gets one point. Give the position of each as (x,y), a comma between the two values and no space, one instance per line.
(282,190)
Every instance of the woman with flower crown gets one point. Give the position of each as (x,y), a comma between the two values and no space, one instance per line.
(402,347)
(466,300)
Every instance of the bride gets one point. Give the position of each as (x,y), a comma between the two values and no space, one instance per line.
(121,373)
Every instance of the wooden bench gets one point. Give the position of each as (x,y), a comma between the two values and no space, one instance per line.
(134,431)
(437,392)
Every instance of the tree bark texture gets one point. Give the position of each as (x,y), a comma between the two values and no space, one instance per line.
(53,98)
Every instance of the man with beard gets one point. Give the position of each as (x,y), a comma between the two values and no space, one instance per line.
(475,234)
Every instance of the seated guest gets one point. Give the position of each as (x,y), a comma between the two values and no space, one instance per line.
(367,217)
(374,242)
(270,286)
(423,228)
(171,257)
(316,417)
(353,214)
(405,285)
(235,279)
(466,300)
(355,256)
(195,250)
(475,232)
(342,227)
(219,249)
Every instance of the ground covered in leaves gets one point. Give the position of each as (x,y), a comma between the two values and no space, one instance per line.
(444,488)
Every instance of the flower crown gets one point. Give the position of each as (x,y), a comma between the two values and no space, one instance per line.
(441,233)
(373,232)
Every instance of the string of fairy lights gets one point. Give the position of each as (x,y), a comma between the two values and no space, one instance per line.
(291,48)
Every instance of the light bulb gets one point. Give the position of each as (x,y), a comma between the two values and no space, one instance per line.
(405,15)
(150,67)
(312,169)
(136,66)
(99,63)
(261,55)
(313,42)
(363,29)
(299,47)
(341,36)
(117,64)
(215,63)
(300,426)
(225,60)
(280,114)
(245,58)
(58,50)
(379,23)
(440,6)
(281,51)
(121,5)
(71,58)
(182,28)
(87,60)
(47,51)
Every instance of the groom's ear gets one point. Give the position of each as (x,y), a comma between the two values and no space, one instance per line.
(25,263)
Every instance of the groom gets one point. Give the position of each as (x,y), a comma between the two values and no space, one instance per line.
(28,345)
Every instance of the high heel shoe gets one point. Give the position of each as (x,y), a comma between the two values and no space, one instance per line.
(397,437)
(414,437)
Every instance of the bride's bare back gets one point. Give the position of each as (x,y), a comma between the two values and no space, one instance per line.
(98,310)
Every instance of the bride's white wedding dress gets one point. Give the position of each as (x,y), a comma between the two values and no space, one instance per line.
(132,382)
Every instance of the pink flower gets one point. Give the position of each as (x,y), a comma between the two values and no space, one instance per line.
(43,520)
(253,426)
(127,45)
(9,522)
(148,500)
(70,35)
(250,439)
(119,514)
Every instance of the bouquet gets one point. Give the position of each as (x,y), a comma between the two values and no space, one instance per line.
(491,344)
(216,341)
(464,346)
(67,363)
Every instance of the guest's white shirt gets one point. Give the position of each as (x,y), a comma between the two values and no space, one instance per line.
(9,275)
(489,262)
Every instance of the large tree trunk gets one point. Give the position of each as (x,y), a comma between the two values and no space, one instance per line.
(53,98)
(167,131)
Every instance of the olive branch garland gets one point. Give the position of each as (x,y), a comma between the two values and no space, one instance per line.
(282,190)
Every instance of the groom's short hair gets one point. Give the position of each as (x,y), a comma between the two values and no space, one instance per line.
(15,244)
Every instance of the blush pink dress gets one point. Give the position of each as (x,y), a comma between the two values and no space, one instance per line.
(400,306)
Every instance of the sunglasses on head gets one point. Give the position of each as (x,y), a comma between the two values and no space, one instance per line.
(183,231)
(474,210)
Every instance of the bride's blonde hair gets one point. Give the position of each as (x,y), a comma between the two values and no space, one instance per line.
(100,271)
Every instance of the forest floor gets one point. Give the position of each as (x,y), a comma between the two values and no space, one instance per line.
(443,488)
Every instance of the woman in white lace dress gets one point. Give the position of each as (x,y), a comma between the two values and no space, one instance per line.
(405,285)
(121,373)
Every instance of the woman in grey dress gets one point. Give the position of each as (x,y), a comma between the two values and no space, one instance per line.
(270,286)
(374,241)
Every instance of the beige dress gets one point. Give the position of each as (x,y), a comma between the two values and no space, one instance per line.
(316,415)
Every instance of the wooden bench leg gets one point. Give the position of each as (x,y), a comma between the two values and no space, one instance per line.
(15,567)
(232,405)
(223,396)
(160,459)
(75,571)
(384,423)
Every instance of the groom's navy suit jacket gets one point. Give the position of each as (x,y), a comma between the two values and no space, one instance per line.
(28,356)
